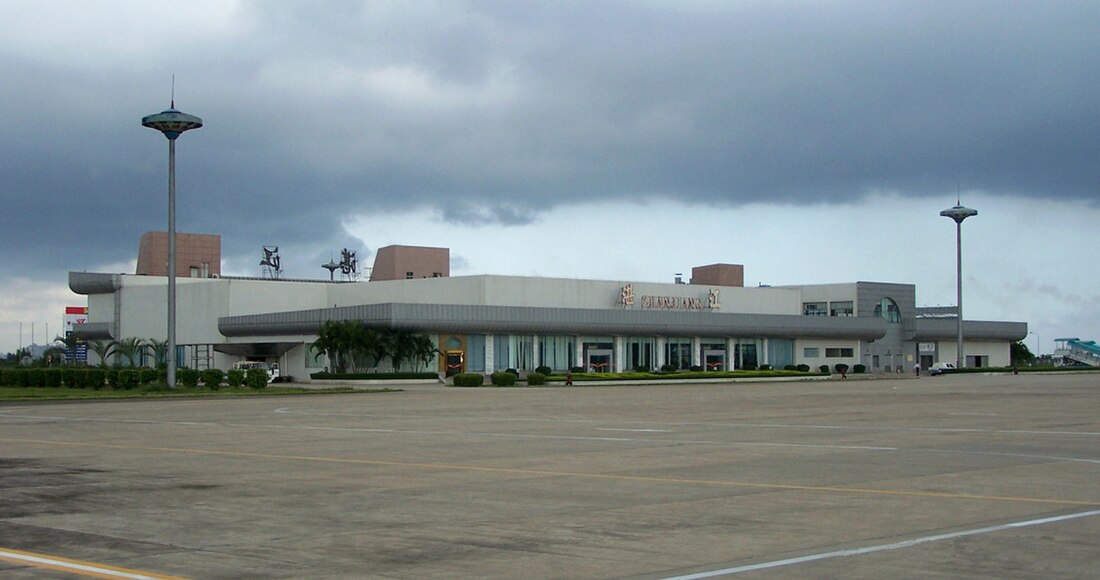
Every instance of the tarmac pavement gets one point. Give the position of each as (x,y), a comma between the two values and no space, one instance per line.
(956,476)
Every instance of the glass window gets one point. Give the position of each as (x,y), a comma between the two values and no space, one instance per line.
(640,352)
(888,309)
(839,352)
(556,352)
(811,352)
(815,308)
(678,353)
(844,308)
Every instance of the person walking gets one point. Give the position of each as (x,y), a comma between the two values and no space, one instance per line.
(916,369)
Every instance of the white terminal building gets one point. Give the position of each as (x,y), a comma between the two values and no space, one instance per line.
(488,323)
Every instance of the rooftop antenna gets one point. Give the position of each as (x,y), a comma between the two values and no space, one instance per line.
(173,106)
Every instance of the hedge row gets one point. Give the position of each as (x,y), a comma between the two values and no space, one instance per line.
(372,376)
(79,378)
(96,378)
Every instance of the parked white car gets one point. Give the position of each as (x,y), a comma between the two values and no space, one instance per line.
(940,367)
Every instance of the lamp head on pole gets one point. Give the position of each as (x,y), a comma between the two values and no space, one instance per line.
(959,213)
(171,122)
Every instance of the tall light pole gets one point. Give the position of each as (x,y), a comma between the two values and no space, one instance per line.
(959,213)
(1038,343)
(172,123)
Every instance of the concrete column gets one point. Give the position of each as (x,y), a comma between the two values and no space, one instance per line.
(489,353)
(731,360)
(619,356)
(535,351)
(696,352)
(578,352)
(659,356)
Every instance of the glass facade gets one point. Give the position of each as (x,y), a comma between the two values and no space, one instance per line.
(641,353)
(556,352)
(678,353)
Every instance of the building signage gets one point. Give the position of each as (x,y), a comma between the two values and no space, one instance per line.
(626,298)
(671,303)
(75,315)
(926,347)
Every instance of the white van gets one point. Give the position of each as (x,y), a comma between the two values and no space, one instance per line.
(938,368)
(272,370)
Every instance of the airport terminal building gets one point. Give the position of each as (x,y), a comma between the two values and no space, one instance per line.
(487,323)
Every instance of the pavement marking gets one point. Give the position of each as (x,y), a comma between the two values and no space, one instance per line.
(882,547)
(580,475)
(78,567)
(636,430)
(287,411)
(8,414)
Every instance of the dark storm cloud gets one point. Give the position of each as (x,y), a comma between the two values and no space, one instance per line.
(492,112)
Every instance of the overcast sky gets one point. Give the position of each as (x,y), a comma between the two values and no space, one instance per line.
(812,142)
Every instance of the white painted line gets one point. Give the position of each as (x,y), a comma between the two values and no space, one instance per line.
(882,547)
(638,430)
(74,566)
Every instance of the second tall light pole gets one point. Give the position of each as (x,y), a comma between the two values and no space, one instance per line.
(172,123)
(959,213)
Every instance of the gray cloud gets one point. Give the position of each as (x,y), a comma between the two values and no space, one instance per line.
(493,111)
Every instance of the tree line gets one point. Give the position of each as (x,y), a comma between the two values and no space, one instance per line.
(353,347)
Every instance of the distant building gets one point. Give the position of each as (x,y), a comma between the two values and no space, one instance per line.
(408,262)
(197,255)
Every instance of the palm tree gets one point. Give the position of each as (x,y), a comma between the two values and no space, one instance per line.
(104,349)
(423,350)
(330,342)
(402,347)
(129,349)
(160,351)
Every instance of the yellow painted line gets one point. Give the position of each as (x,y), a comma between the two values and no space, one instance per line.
(78,567)
(581,475)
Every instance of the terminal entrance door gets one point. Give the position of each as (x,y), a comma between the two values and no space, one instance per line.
(456,362)
(714,360)
(598,360)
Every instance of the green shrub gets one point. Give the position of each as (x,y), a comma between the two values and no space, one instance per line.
(212,378)
(52,377)
(841,368)
(234,378)
(93,378)
(859,369)
(790,368)
(750,367)
(187,377)
(112,378)
(256,378)
(802,368)
(504,379)
(765,367)
(641,369)
(696,369)
(513,371)
(824,369)
(147,375)
(128,379)
(68,378)
(15,377)
(3,376)
(576,369)
(534,379)
(668,368)
(36,377)
(469,380)
(543,370)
